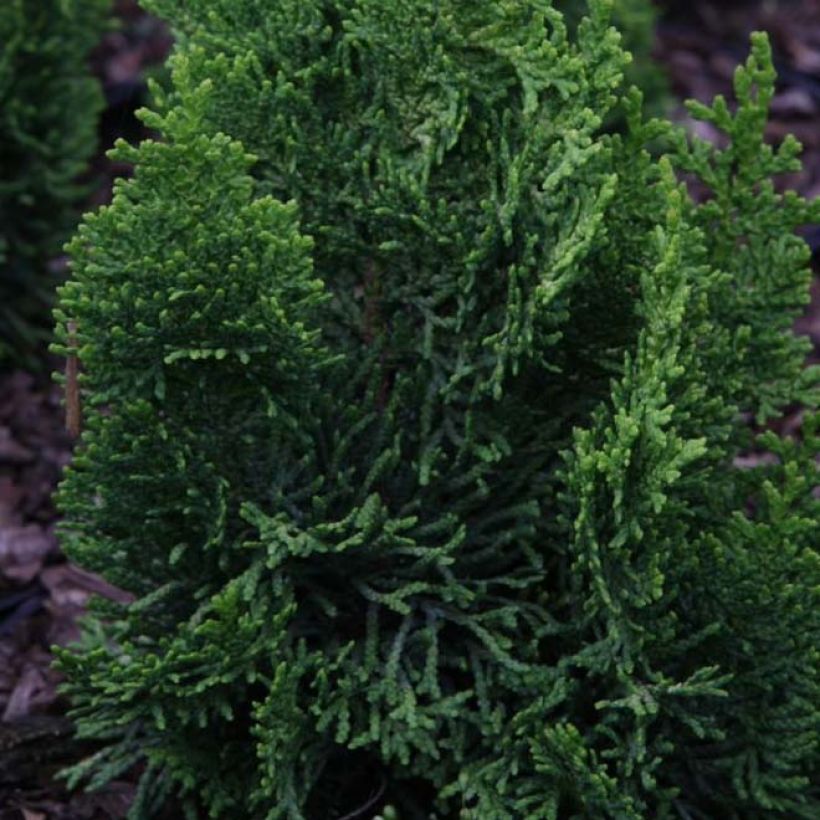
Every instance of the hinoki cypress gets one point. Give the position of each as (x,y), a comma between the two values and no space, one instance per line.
(418,399)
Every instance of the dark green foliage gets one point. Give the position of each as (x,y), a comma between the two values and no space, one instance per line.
(48,110)
(419,430)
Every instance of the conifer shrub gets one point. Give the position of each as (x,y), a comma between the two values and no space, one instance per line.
(413,398)
(49,104)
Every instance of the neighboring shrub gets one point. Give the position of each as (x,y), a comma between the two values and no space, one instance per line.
(419,427)
(48,118)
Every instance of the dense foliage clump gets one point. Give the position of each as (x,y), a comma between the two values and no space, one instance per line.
(48,118)
(419,399)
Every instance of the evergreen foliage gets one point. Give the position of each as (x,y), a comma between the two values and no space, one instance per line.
(421,400)
(48,110)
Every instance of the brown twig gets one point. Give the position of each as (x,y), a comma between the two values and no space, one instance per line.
(372,801)
(73,410)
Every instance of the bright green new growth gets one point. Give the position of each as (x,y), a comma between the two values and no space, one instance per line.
(418,449)
(48,118)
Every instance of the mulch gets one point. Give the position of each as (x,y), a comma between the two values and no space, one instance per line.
(41,594)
